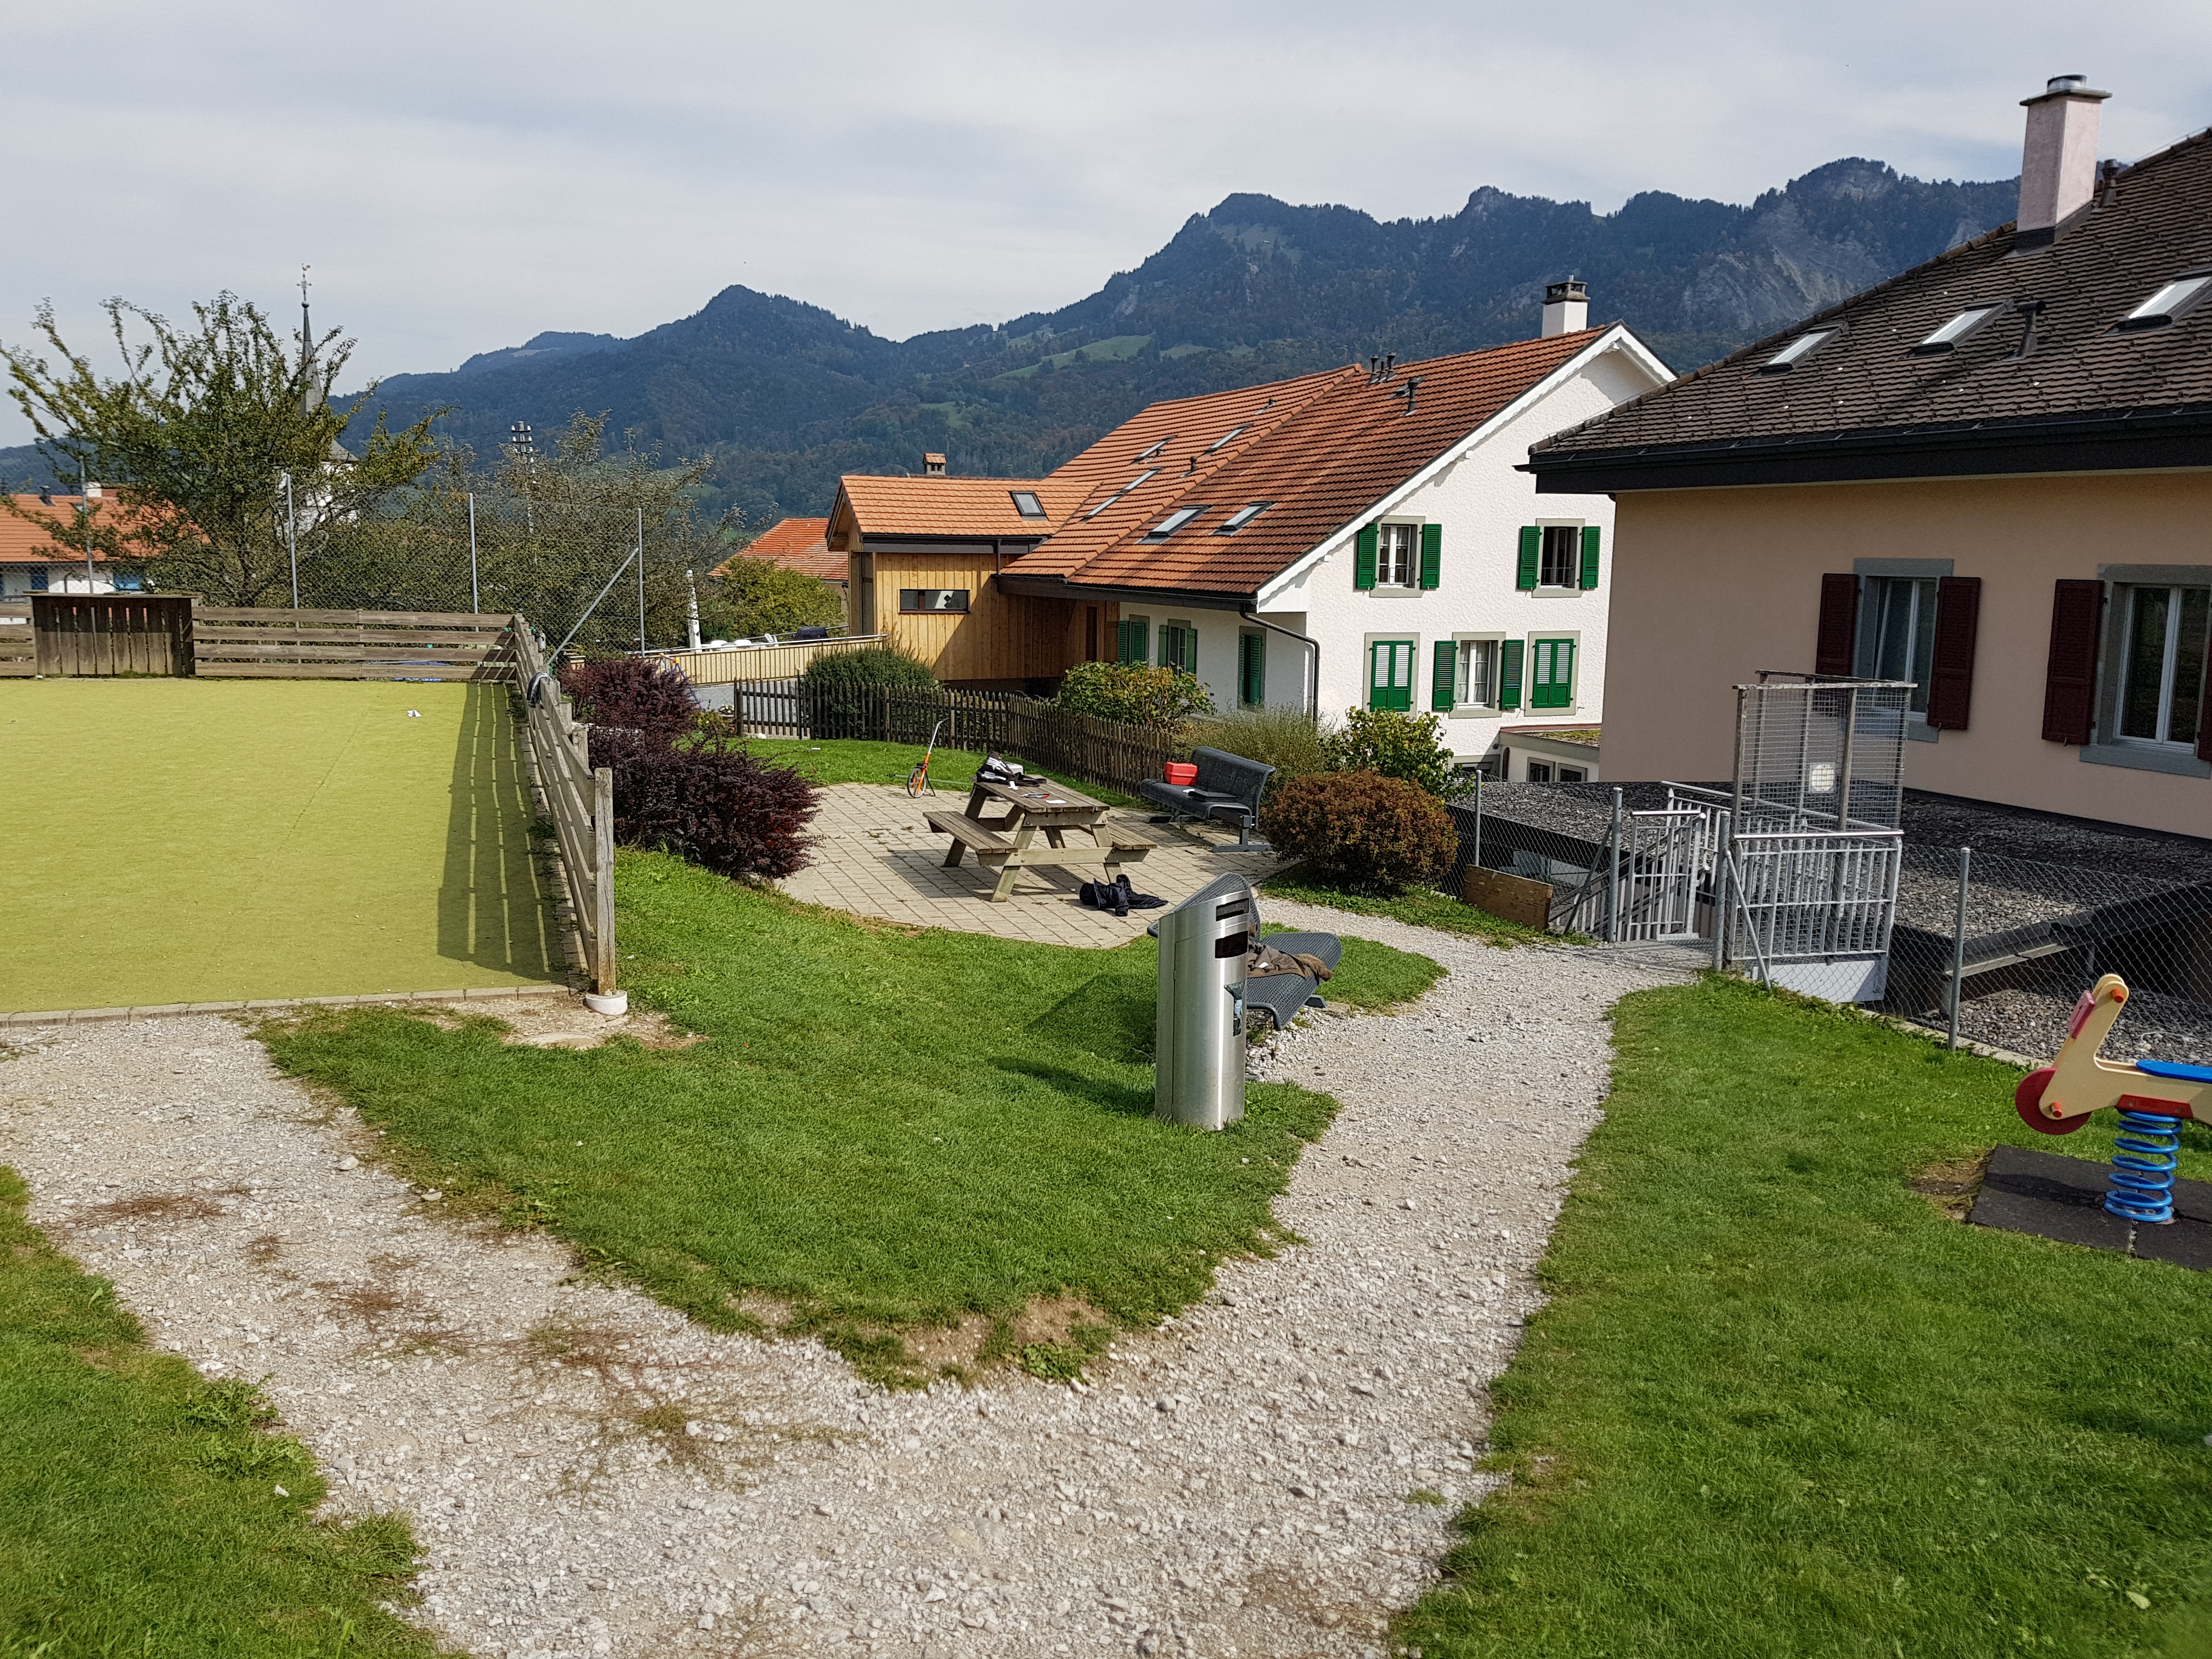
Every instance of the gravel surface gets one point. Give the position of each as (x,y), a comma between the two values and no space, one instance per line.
(589,1474)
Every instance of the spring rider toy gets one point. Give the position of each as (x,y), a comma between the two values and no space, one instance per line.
(2151,1096)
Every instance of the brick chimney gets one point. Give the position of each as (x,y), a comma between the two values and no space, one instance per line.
(932,464)
(2058,162)
(1566,307)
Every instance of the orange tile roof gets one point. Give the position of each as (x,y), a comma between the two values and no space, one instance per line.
(1322,448)
(26,541)
(949,506)
(797,545)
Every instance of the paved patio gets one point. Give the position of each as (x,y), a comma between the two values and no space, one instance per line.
(876,857)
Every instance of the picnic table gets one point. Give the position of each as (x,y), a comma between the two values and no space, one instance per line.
(1007,842)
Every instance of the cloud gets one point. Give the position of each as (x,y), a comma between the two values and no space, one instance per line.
(463,176)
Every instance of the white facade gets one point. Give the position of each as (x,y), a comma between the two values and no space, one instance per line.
(22,580)
(1482,505)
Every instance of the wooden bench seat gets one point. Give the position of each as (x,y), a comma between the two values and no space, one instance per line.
(968,835)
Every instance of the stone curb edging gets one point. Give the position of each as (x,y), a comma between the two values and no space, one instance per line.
(273,1004)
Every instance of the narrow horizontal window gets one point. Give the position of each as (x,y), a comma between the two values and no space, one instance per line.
(1122,491)
(1174,521)
(1226,438)
(2169,304)
(1960,327)
(1027,504)
(1152,452)
(914,599)
(1242,516)
(1798,351)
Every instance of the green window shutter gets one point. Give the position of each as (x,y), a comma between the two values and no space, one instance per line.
(1363,558)
(1390,674)
(1442,680)
(1141,640)
(1509,674)
(1532,553)
(1432,554)
(1589,557)
(1552,683)
(1122,641)
(1251,669)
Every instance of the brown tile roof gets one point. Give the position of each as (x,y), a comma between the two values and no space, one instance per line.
(797,545)
(947,507)
(1322,448)
(1862,404)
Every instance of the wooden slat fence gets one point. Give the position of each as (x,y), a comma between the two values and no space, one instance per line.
(254,643)
(581,799)
(1105,752)
(19,647)
(761,662)
(100,635)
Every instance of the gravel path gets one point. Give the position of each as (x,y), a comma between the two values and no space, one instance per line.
(588,1473)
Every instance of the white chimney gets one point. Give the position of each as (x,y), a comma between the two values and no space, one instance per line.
(1566,307)
(2058,163)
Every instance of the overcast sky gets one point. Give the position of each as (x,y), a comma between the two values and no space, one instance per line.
(462,176)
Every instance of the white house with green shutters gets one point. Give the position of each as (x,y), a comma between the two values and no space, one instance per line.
(1364,538)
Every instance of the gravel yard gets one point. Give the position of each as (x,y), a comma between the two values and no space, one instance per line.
(589,1474)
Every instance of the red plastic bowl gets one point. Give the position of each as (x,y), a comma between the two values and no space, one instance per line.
(1182,773)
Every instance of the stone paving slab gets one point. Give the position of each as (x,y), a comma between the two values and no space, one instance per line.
(877,857)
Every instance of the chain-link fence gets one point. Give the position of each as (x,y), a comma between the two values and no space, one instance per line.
(2013,942)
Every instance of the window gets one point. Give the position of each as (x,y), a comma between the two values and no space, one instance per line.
(1551,674)
(1896,632)
(1560,563)
(2162,664)
(1153,451)
(2169,304)
(1540,771)
(932,599)
(1227,438)
(1122,491)
(1242,516)
(1960,328)
(1251,670)
(1174,521)
(39,576)
(130,584)
(1132,640)
(1179,647)
(1573,774)
(1027,504)
(1397,550)
(1477,685)
(1390,674)
(1798,351)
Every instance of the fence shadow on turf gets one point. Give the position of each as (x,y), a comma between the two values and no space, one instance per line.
(492,908)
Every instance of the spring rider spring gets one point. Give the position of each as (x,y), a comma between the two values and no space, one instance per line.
(2151,1096)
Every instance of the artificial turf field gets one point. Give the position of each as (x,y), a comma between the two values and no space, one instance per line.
(171,841)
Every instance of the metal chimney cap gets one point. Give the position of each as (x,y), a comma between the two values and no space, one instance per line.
(2065,86)
(1572,289)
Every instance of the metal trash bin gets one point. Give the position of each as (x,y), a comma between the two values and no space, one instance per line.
(1199,1039)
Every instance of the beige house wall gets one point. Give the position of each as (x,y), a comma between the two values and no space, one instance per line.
(1710,587)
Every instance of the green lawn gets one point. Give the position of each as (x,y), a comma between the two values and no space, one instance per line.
(1780,1405)
(214,841)
(139,1512)
(853,760)
(887,1129)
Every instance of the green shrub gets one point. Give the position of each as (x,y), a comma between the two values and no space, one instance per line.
(838,683)
(1395,744)
(1288,739)
(1360,832)
(1134,694)
(754,596)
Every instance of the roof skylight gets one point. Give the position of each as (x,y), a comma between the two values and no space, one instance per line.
(1122,491)
(1224,441)
(2168,306)
(1798,351)
(1027,504)
(1242,516)
(1152,452)
(1174,521)
(1960,328)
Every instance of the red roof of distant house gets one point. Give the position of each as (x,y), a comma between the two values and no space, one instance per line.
(25,541)
(796,544)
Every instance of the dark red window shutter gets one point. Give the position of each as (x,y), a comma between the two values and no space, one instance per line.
(1837,641)
(1951,671)
(2070,683)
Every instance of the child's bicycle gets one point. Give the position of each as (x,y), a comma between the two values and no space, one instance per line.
(918,779)
(2151,1096)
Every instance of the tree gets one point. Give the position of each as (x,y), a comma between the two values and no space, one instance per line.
(754,596)
(195,440)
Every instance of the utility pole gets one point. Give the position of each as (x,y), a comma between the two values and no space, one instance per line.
(292,537)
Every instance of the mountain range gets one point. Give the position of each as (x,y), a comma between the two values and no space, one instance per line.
(784,396)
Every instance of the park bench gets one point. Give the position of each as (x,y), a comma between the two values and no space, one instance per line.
(1228,791)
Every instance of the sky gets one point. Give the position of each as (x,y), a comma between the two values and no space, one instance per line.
(461,177)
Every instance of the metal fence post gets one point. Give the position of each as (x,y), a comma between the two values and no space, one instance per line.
(1478,834)
(1723,844)
(641,581)
(476,603)
(1612,876)
(1959,945)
